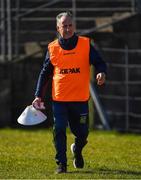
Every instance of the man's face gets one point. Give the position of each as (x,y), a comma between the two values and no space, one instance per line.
(66,27)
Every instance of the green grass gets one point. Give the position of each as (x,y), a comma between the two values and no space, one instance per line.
(29,154)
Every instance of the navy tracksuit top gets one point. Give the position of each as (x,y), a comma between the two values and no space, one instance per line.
(67,44)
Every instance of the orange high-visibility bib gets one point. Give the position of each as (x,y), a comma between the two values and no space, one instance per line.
(71,71)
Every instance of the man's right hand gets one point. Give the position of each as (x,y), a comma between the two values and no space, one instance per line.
(38,104)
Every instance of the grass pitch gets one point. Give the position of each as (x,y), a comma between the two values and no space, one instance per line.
(29,154)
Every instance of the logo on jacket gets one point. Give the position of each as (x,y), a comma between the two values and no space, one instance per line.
(70,71)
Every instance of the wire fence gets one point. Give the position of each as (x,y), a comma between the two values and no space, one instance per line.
(121,96)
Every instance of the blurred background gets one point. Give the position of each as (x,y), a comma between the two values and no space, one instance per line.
(27,26)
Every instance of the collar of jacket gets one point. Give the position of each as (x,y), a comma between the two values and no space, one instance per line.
(68,44)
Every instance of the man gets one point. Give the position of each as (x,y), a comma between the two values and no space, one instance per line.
(68,60)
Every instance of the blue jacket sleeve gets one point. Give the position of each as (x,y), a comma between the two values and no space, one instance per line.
(44,76)
(97,61)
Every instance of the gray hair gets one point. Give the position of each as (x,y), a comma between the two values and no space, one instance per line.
(58,17)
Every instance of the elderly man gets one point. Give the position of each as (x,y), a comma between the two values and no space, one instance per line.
(68,61)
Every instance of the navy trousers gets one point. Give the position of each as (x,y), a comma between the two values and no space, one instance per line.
(74,115)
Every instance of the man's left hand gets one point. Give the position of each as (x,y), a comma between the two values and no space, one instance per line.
(100,77)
